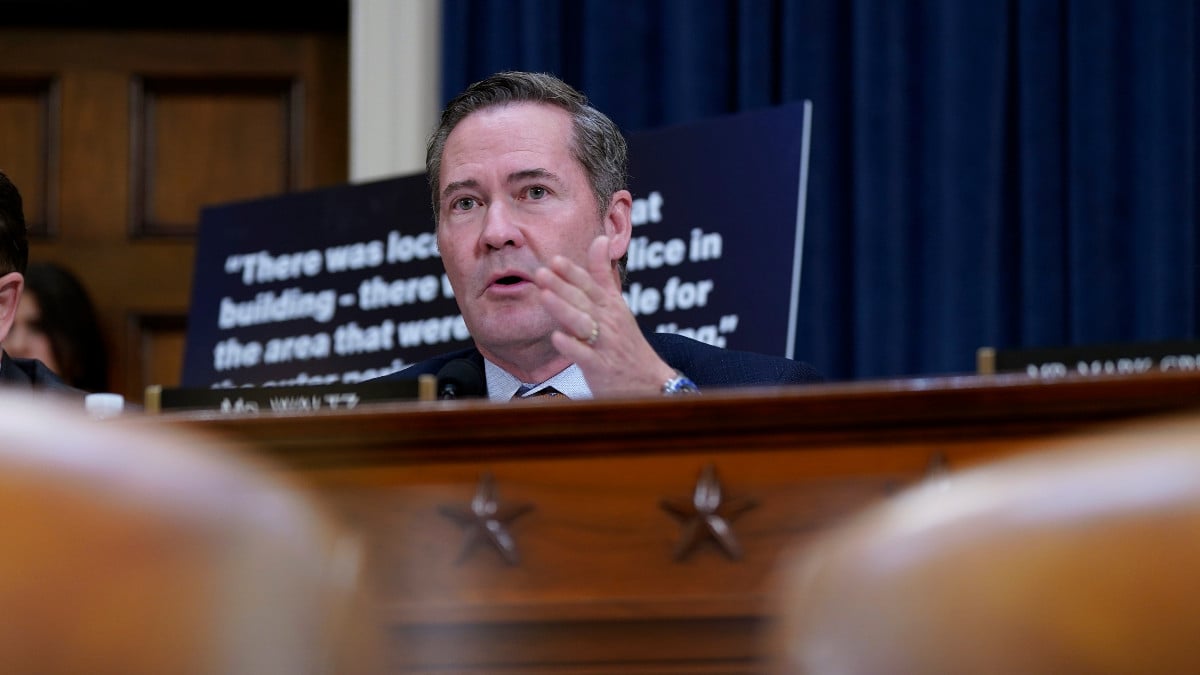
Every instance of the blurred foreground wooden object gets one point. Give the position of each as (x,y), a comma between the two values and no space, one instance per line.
(141,551)
(1078,559)
(643,535)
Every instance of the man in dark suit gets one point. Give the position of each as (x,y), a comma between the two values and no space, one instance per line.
(29,374)
(533,225)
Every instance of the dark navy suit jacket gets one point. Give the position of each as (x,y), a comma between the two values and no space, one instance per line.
(704,364)
(34,376)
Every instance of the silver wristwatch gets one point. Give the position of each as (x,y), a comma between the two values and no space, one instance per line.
(680,384)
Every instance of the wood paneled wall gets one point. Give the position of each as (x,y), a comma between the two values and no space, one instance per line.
(118,135)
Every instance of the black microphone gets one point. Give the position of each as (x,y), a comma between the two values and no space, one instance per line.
(461,378)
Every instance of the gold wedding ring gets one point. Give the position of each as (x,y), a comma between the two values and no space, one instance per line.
(591,339)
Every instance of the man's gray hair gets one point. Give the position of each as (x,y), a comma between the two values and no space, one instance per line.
(597,143)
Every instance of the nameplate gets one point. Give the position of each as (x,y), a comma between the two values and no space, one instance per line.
(299,398)
(1109,359)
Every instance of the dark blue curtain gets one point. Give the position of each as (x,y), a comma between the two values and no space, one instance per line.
(1014,173)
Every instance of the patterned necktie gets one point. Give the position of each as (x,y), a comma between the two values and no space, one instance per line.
(549,392)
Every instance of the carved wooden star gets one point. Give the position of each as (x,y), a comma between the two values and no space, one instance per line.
(487,520)
(707,515)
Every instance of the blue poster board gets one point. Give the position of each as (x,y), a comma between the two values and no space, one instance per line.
(719,227)
(342,284)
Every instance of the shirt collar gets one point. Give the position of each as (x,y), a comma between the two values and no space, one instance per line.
(502,385)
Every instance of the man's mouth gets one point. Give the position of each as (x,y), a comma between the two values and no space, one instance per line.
(509,280)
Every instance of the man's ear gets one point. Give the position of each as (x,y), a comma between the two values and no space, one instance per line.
(618,223)
(11,285)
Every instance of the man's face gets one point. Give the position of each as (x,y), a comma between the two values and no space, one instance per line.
(512,198)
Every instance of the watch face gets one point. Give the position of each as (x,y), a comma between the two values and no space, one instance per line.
(680,385)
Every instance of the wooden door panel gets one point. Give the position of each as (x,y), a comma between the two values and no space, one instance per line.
(94,180)
(28,143)
(206,141)
(118,139)
(158,340)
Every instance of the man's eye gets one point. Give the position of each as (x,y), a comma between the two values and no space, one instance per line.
(463,204)
(536,192)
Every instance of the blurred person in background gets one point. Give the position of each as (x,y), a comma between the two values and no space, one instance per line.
(56,324)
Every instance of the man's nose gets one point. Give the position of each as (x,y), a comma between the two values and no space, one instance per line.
(499,227)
